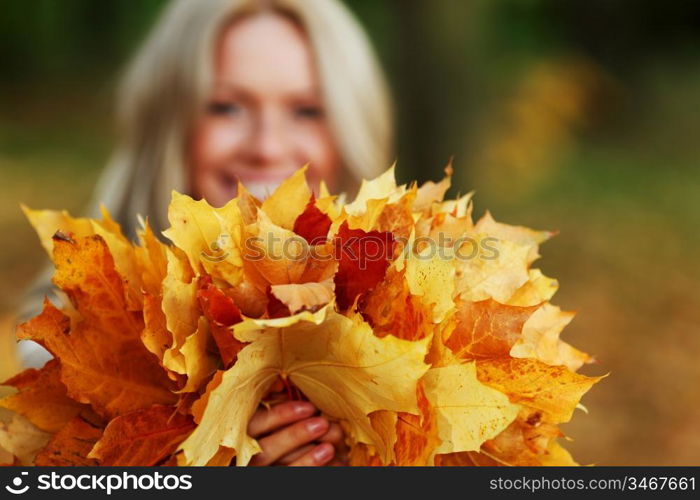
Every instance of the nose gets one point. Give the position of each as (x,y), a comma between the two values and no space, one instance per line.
(267,142)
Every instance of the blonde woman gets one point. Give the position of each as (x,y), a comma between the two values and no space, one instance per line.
(249,90)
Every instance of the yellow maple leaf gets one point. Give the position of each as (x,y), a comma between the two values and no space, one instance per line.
(555,390)
(47,222)
(288,201)
(337,362)
(432,277)
(430,193)
(199,358)
(540,339)
(537,289)
(518,234)
(468,412)
(488,267)
(179,305)
(209,236)
(380,188)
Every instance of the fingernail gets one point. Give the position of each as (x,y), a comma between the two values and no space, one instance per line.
(317,425)
(323,453)
(303,408)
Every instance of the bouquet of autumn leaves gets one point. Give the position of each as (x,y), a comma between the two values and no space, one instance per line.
(428,336)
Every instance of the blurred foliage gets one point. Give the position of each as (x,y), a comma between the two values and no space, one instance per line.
(577,115)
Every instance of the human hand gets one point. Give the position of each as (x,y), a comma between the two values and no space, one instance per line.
(291,433)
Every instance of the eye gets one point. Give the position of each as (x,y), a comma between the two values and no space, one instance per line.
(222,108)
(308,112)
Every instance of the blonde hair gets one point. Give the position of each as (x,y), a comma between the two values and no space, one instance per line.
(167,83)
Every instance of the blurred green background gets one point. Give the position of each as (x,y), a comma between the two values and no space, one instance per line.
(576,115)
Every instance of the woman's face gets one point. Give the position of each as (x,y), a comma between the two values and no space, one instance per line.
(264,118)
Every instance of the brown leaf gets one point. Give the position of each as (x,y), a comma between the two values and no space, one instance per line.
(42,398)
(71,445)
(486,329)
(115,376)
(155,335)
(416,435)
(392,310)
(85,272)
(144,437)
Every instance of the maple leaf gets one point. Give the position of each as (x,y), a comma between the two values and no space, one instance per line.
(540,339)
(250,299)
(431,193)
(152,260)
(247,204)
(422,355)
(363,260)
(391,309)
(337,362)
(114,376)
(86,272)
(155,335)
(144,437)
(497,272)
(289,200)
(222,313)
(416,435)
(199,357)
(468,412)
(536,290)
(392,214)
(200,405)
(277,256)
(48,222)
(42,398)
(304,296)
(518,234)
(432,277)
(382,187)
(526,442)
(71,445)
(555,390)
(312,224)
(22,439)
(486,329)
(210,237)
(179,305)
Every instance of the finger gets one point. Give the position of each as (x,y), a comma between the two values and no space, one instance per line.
(320,455)
(283,442)
(334,435)
(296,454)
(267,420)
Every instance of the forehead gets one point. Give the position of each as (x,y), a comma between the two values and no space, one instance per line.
(265,52)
